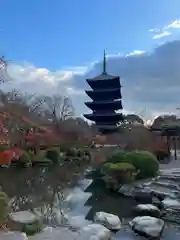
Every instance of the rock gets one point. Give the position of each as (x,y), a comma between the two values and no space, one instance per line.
(157,202)
(50,233)
(13,236)
(160,194)
(94,232)
(171,203)
(144,194)
(168,184)
(26,221)
(77,222)
(147,209)
(172,215)
(109,220)
(127,190)
(138,192)
(147,184)
(150,227)
(139,186)
(25,217)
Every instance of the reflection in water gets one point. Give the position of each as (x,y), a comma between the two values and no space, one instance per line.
(58,196)
(103,200)
(42,190)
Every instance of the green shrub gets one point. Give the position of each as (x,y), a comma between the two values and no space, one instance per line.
(116,157)
(143,161)
(63,148)
(32,228)
(4,208)
(53,155)
(121,172)
(72,152)
(2,148)
(41,162)
(24,160)
(111,183)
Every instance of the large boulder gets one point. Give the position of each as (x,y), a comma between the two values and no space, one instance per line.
(138,192)
(23,217)
(77,222)
(143,194)
(109,220)
(171,203)
(94,231)
(147,209)
(150,227)
(127,190)
(25,221)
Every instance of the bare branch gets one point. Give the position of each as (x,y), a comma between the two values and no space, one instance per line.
(4,77)
(14,96)
(36,104)
(57,108)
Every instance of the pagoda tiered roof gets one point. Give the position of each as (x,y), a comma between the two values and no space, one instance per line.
(112,93)
(104,117)
(106,100)
(98,83)
(104,105)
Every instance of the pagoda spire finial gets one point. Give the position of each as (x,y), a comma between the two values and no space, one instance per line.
(104,63)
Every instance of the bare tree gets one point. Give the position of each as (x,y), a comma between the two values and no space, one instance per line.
(57,108)
(4,77)
(35,106)
(13,96)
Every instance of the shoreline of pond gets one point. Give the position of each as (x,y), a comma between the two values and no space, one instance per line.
(89,200)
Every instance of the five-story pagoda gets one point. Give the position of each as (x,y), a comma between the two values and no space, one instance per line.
(106,100)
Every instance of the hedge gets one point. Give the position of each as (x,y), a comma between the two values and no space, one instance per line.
(144,162)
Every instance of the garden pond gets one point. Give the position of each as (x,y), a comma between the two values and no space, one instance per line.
(67,197)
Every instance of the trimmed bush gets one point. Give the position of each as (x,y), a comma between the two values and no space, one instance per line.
(24,160)
(116,157)
(144,162)
(32,228)
(120,166)
(53,155)
(121,172)
(111,183)
(72,152)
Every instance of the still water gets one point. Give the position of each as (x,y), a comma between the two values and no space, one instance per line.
(67,190)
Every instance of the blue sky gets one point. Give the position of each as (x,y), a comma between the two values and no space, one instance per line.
(65,33)
(53,46)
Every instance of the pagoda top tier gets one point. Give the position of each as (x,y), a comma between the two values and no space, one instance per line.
(104,81)
(103,76)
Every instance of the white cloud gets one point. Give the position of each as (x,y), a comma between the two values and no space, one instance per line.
(161,35)
(33,73)
(27,77)
(75,91)
(165,31)
(135,52)
(150,80)
(154,30)
(173,25)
